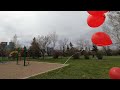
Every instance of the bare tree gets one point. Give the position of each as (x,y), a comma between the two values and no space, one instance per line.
(83,44)
(79,43)
(18,45)
(87,45)
(63,44)
(43,42)
(54,39)
(112,26)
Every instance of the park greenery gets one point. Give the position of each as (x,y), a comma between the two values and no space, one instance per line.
(86,62)
(81,68)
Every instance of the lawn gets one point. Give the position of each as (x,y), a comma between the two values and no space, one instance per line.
(81,68)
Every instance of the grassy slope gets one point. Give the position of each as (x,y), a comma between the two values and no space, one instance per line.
(82,69)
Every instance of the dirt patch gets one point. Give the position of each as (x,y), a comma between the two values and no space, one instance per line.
(12,71)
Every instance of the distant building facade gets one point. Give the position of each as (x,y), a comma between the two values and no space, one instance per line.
(6,46)
(3,45)
(11,46)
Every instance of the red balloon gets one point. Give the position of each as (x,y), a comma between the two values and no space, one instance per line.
(114,73)
(95,21)
(101,39)
(97,13)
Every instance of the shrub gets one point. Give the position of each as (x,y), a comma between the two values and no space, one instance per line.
(65,54)
(99,55)
(86,55)
(109,52)
(56,54)
(76,56)
(118,52)
(72,51)
(115,52)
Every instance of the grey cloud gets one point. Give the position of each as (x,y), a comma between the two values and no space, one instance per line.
(26,25)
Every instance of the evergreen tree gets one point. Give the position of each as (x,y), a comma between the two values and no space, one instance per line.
(94,48)
(71,45)
(34,48)
(68,48)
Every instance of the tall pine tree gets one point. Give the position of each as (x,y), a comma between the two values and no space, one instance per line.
(71,45)
(34,48)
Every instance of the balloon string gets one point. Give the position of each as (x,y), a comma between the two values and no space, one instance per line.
(69,59)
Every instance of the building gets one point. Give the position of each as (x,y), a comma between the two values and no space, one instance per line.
(11,46)
(6,46)
(3,45)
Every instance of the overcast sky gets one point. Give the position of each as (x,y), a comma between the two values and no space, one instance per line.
(27,24)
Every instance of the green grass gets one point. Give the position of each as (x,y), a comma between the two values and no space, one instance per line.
(3,59)
(81,69)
